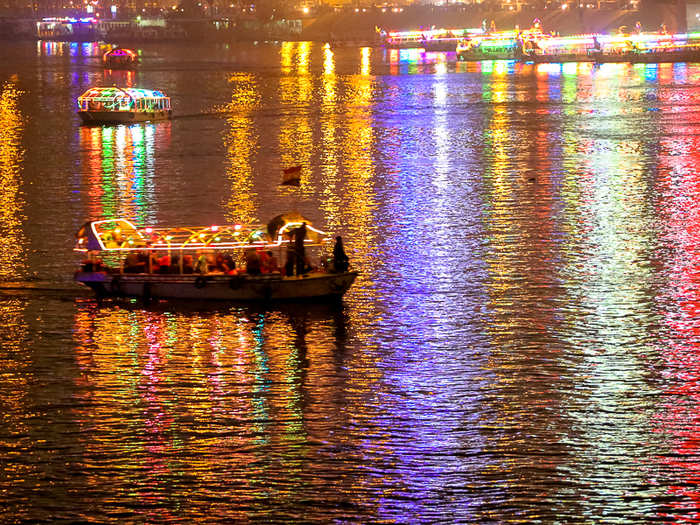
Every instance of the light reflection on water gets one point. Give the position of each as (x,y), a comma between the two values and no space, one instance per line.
(518,347)
(12,237)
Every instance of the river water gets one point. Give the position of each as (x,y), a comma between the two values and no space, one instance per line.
(522,344)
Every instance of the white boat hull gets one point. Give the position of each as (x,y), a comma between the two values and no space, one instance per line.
(218,287)
(122,117)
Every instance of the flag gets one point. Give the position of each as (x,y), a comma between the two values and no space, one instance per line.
(291,176)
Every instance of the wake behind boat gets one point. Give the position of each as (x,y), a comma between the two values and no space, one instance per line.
(232,262)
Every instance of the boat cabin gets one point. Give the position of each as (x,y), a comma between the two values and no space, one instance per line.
(120,58)
(123,99)
(116,245)
(231,262)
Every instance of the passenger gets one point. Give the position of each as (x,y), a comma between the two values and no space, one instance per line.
(291,257)
(187,266)
(340,259)
(134,263)
(154,266)
(229,264)
(224,263)
(211,262)
(164,263)
(299,236)
(202,265)
(252,262)
(174,264)
(268,263)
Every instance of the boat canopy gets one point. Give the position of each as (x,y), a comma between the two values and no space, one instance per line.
(115,99)
(122,235)
(120,53)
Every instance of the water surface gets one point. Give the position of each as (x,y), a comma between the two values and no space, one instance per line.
(521,345)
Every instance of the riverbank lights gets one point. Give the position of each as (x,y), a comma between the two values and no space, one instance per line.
(305,10)
(113,10)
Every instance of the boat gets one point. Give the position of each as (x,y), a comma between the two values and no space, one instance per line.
(115,105)
(123,260)
(621,47)
(489,47)
(120,58)
(440,40)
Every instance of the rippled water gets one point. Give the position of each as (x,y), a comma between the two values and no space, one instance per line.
(521,345)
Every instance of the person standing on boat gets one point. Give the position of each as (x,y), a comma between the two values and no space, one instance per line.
(299,236)
(340,259)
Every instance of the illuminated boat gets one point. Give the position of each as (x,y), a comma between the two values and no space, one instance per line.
(115,105)
(120,58)
(429,40)
(621,47)
(232,262)
(500,45)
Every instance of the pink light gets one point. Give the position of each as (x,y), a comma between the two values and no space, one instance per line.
(149,230)
(237,227)
(215,228)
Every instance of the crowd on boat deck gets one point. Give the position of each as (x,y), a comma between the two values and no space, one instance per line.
(255,261)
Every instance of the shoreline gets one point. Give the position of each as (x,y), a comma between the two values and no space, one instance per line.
(347,26)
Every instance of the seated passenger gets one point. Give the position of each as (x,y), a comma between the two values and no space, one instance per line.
(202,264)
(252,262)
(229,264)
(174,264)
(268,263)
(187,266)
(154,266)
(134,263)
(224,263)
(164,263)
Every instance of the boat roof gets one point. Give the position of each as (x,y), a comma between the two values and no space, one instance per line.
(122,235)
(120,51)
(114,93)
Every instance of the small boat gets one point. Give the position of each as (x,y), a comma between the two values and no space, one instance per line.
(120,58)
(123,260)
(115,105)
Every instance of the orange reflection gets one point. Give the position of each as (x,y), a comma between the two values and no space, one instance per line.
(241,146)
(296,139)
(13,253)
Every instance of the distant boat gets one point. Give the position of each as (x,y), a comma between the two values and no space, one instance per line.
(120,58)
(123,260)
(534,46)
(115,105)
(429,40)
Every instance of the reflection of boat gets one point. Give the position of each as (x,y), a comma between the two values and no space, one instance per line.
(120,58)
(159,262)
(651,56)
(114,105)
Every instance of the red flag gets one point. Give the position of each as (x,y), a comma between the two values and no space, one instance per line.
(291,176)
